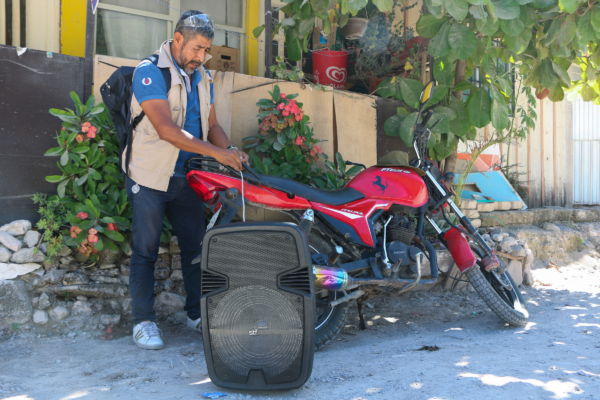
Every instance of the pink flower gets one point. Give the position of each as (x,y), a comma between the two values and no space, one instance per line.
(82,215)
(318,149)
(79,138)
(92,231)
(111,227)
(299,117)
(281,106)
(299,140)
(283,95)
(92,239)
(288,108)
(91,134)
(87,124)
(285,113)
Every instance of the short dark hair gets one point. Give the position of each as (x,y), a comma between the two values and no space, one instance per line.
(189,32)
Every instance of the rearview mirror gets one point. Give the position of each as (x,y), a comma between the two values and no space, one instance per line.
(427,93)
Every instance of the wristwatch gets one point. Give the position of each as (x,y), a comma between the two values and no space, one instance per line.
(231,147)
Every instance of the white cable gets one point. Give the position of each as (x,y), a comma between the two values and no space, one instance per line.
(243,198)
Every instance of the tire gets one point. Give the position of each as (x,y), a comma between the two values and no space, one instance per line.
(508,305)
(330,320)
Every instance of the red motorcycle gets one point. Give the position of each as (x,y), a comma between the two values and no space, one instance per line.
(368,237)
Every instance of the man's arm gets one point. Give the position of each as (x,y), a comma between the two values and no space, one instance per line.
(159,113)
(218,137)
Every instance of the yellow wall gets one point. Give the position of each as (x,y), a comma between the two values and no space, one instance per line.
(252,21)
(72,27)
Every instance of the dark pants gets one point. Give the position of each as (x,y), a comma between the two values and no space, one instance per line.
(185,212)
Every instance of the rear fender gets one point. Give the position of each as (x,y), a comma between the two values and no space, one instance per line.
(459,248)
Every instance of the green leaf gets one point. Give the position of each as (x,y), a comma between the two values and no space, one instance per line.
(438,45)
(439,93)
(109,244)
(81,149)
(384,5)
(461,124)
(87,224)
(548,77)
(533,78)
(55,178)
(258,31)
(499,114)
(293,44)
(125,246)
(518,43)
(92,208)
(306,25)
(444,71)
(99,245)
(596,18)
(506,9)
(585,28)
(428,25)
(567,31)
(108,220)
(464,85)
(55,151)
(505,85)
(445,147)
(514,27)
(562,74)
(320,6)
(437,11)
(411,91)
(277,146)
(487,27)
(386,88)
(288,22)
(75,98)
(391,126)
(81,180)
(479,107)
(96,110)
(462,40)
(61,188)
(64,158)
(407,128)
(457,8)
(557,94)
(265,103)
(114,235)
(568,6)
(478,2)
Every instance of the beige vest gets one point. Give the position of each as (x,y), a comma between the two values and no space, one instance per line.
(153,160)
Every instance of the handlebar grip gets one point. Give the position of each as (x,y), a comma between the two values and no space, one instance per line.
(427,117)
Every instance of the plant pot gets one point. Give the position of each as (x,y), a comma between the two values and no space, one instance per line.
(355,28)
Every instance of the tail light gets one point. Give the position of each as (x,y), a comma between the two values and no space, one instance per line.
(207,191)
(459,248)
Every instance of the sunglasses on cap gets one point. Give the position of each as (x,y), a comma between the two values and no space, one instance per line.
(197,21)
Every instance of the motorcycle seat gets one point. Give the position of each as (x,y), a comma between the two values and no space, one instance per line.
(329,197)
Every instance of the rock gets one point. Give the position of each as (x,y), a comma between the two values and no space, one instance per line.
(125,270)
(73,267)
(44,247)
(177,275)
(35,301)
(517,205)
(106,257)
(126,306)
(108,266)
(174,246)
(527,276)
(168,285)
(16,228)
(15,306)
(105,290)
(515,269)
(162,250)
(588,245)
(11,271)
(82,298)
(82,308)
(80,257)
(485,207)
(64,251)
(5,254)
(124,279)
(76,278)
(115,305)
(171,300)
(59,313)
(468,204)
(25,256)
(176,262)
(10,242)
(486,237)
(507,244)
(550,227)
(38,283)
(67,260)
(53,264)
(476,223)
(40,317)
(518,251)
(498,237)
(471,214)
(110,319)
(530,258)
(104,279)
(46,300)
(32,238)
(163,261)
(161,273)
(54,276)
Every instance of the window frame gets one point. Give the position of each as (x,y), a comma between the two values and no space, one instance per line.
(172,19)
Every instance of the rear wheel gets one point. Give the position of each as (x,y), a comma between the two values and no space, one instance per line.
(500,293)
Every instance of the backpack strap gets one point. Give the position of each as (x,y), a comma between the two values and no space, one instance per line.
(166,73)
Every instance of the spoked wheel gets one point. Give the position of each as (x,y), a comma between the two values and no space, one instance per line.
(500,293)
(330,320)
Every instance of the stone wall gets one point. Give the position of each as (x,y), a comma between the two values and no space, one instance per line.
(70,292)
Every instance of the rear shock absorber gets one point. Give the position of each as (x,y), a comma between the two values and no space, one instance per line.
(307,221)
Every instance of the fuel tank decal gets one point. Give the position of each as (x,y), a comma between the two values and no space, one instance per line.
(379,184)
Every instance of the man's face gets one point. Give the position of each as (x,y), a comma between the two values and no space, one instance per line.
(193,53)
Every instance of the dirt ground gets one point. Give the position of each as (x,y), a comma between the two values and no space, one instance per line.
(556,355)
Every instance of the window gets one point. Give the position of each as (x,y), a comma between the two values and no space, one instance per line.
(502,68)
(136,28)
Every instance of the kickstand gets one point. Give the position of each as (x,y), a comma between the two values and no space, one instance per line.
(360,304)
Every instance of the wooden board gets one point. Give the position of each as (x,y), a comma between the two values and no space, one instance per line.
(103,71)
(222,88)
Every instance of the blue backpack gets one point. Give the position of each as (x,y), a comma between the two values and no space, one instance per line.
(117,93)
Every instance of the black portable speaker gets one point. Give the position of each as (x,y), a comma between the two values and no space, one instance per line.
(258,309)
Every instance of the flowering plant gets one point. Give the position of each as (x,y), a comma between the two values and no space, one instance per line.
(285,140)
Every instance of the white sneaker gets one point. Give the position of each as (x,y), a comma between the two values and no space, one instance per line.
(195,325)
(147,336)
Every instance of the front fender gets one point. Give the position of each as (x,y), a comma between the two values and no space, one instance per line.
(459,248)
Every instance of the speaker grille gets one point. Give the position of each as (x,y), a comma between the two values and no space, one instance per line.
(212,283)
(255,325)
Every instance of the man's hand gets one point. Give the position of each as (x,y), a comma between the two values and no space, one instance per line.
(243,156)
(231,158)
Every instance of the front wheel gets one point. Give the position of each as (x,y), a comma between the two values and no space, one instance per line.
(506,302)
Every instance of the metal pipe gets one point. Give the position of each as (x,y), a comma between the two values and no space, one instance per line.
(337,279)
(348,297)
(406,289)
(386,259)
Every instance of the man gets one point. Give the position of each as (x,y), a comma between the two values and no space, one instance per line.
(181,122)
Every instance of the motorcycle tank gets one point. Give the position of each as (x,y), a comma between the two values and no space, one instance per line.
(399,185)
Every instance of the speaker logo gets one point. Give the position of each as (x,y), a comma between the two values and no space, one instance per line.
(260,326)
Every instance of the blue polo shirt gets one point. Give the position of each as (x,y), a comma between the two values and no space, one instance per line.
(148,84)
